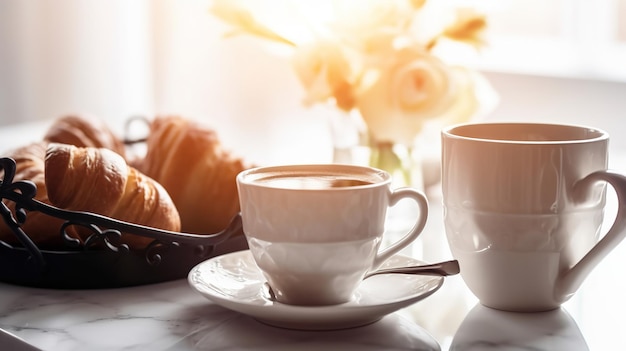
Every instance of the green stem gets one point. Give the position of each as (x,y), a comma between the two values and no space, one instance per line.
(385,156)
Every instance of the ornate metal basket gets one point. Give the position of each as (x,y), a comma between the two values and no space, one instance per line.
(100,261)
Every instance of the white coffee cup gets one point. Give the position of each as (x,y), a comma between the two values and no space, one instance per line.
(524,207)
(315,230)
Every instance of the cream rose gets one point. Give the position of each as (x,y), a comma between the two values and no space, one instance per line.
(410,88)
(371,25)
(325,72)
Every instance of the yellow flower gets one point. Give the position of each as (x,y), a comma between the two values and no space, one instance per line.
(468,27)
(242,19)
(474,97)
(365,24)
(375,56)
(325,72)
(411,87)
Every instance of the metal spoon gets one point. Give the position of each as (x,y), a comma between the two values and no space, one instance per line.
(440,269)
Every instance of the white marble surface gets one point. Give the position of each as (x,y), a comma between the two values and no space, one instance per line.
(170,316)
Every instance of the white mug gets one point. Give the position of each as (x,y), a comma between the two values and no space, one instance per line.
(315,230)
(524,207)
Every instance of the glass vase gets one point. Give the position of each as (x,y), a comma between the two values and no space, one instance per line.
(353,144)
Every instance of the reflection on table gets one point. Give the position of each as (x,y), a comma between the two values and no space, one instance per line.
(484,328)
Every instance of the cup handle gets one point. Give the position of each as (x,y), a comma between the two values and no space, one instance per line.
(572,279)
(422,203)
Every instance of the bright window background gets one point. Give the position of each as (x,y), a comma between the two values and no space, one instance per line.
(621,17)
(570,38)
(560,60)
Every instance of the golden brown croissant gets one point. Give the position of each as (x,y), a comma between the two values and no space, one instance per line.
(44,230)
(188,160)
(99,180)
(84,131)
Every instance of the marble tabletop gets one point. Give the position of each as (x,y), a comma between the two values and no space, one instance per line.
(170,316)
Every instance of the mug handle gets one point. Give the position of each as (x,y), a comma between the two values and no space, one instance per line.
(422,204)
(572,279)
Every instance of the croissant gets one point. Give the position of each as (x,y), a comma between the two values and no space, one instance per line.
(189,161)
(44,230)
(84,131)
(99,180)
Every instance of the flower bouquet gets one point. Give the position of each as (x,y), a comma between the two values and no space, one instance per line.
(381,60)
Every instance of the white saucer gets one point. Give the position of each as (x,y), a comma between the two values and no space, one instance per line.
(234,281)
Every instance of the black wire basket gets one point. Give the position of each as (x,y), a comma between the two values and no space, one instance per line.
(101,260)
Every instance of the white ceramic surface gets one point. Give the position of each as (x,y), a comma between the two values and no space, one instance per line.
(321,237)
(524,208)
(234,281)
